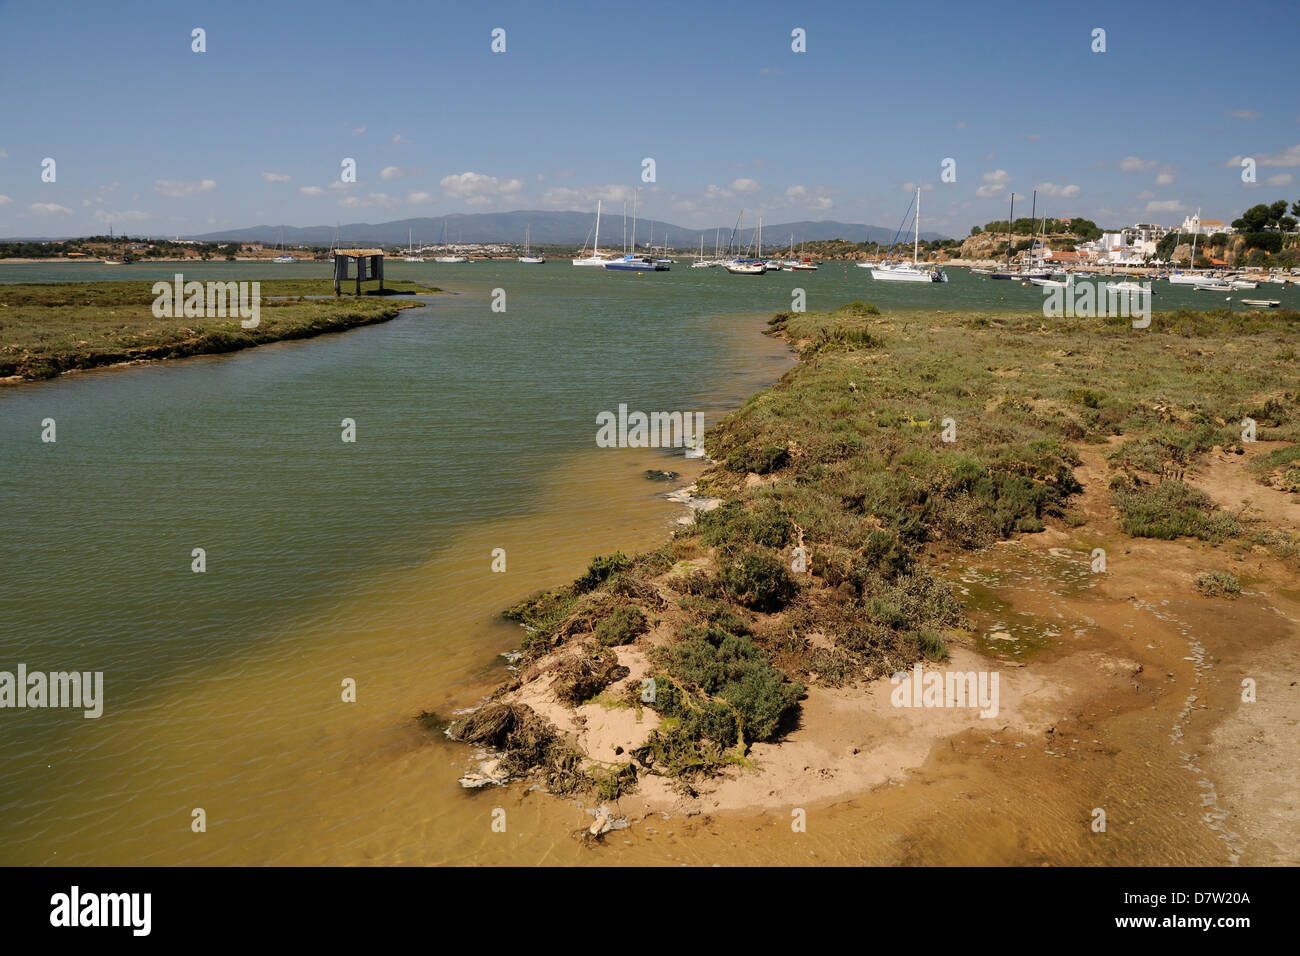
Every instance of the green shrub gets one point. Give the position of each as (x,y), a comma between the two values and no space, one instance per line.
(622,627)
(730,667)
(1218,584)
(1172,509)
(600,569)
(760,461)
(758,581)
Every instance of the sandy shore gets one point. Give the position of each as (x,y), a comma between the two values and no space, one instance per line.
(1125,701)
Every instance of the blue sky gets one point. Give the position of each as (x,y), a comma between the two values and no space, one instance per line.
(156,139)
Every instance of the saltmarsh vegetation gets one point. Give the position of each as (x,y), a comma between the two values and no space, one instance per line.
(50,328)
(839,492)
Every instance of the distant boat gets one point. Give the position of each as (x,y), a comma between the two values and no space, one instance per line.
(595,259)
(283,256)
(1242,284)
(635,263)
(973,271)
(449,259)
(1212,285)
(1130,287)
(1065,283)
(528,258)
(1262,303)
(739,265)
(700,262)
(901,272)
(410,250)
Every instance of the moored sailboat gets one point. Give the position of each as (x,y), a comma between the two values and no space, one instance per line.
(901,272)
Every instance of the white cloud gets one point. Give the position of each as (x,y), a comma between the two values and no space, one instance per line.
(566,197)
(797,192)
(1052,189)
(994,183)
(419,197)
(391,172)
(175,188)
(383,200)
(1146,194)
(130,215)
(1132,164)
(961,124)
(1288,157)
(48,209)
(820,203)
(398,138)
(1032,137)
(1165,205)
(1281,179)
(4,154)
(358,131)
(479,189)
(744,185)
(1165,179)
(340,184)
(4,200)
(1245,114)
(110,188)
(712,191)
(275,177)
(312,190)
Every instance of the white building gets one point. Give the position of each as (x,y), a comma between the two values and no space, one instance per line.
(1195,225)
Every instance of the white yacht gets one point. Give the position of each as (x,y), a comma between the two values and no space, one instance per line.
(410,250)
(528,258)
(595,259)
(450,259)
(901,271)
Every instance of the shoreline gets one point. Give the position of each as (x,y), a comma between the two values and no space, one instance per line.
(94,337)
(847,743)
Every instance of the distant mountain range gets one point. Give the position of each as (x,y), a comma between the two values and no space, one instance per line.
(548,228)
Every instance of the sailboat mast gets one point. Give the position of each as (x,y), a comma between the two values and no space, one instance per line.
(1195,234)
(595,249)
(1011,218)
(916,243)
(634,220)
